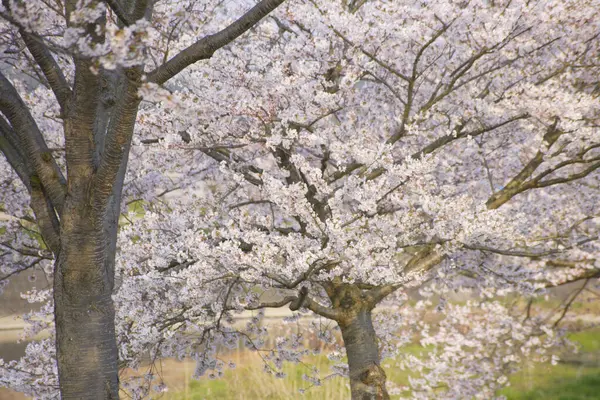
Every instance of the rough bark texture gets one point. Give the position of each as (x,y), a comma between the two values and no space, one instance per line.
(78,212)
(352,308)
(367,378)
(84,314)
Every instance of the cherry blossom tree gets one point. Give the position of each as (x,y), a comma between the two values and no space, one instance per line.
(341,156)
(87,60)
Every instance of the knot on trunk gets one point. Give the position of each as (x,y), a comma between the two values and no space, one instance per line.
(372,379)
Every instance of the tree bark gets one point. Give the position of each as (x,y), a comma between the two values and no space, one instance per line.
(78,217)
(87,353)
(367,378)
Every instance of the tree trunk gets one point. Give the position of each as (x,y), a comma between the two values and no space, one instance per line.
(86,346)
(367,378)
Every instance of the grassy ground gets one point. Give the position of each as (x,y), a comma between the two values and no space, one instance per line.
(561,382)
(578,379)
(249,382)
(565,381)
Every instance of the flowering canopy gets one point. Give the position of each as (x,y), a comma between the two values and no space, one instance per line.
(377,145)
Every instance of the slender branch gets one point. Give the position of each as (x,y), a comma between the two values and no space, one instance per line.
(220,153)
(528,309)
(570,302)
(373,57)
(314,268)
(410,91)
(205,47)
(272,304)
(458,73)
(176,266)
(517,184)
(250,202)
(302,300)
(568,178)
(387,85)
(284,161)
(18,271)
(29,252)
(50,68)
(444,140)
(430,148)
(349,169)
(529,253)
(223,155)
(513,253)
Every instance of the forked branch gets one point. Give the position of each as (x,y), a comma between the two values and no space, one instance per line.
(206,47)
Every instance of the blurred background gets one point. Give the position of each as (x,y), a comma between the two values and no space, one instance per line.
(575,377)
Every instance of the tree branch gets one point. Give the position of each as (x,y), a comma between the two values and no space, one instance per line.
(430,148)
(45,216)
(512,253)
(570,302)
(141,8)
(377,294)
(569,178)
(43,209)
(18,271)
(119,11)
(205,47)
(12,153)
(32,144)
(118,138)
(529,253)
(221,155)
(299,301)
(49,66)
(410,91)
(272,304)
(373,57)
(82,122)
(322,310)
(44,59)
(444,140)
(423,261)
(516,185)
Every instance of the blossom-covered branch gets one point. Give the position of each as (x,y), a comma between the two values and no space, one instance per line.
(205,47)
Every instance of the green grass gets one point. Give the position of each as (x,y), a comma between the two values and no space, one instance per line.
(560,382)
(572,380)
(251,382)
(565,381)
(589,340)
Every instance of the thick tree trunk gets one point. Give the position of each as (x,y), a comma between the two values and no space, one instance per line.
(367,378)
(87,352)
